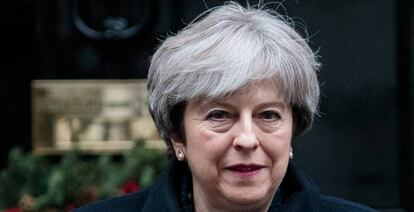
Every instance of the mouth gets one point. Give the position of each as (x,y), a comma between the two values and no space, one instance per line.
(245,170)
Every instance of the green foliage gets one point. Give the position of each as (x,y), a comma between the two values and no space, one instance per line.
(75,180)
(25,174)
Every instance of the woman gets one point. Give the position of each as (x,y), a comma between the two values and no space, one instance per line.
(228,94)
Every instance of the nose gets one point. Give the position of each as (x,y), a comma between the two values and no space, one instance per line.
(245,138)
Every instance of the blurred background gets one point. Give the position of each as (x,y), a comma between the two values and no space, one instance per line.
(361,148)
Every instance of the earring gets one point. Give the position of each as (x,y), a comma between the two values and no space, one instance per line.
(180,155)
(291,154)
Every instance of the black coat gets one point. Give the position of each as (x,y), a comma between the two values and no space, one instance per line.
(299,192)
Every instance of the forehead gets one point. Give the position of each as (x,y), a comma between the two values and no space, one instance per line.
(256,87)
(255,92)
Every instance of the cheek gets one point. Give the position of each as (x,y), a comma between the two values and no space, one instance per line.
(205,145)
(276,151)
(277,146)
(206,153)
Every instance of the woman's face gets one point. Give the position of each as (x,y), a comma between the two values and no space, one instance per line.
(237,147)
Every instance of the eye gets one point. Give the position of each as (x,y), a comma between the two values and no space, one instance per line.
(218,115)
(270,116)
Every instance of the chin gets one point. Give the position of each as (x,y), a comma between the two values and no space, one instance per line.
(249,203)
(249,198)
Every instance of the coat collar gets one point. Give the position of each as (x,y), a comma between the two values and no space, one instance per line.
(300,193)
(164,194)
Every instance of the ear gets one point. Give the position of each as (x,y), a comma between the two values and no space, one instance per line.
(177,145)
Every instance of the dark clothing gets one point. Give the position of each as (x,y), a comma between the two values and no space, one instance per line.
(172,192)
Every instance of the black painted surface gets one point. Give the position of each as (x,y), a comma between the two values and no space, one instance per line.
(353,149)
(406,100)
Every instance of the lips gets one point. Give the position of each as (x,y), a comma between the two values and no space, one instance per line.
(245,170)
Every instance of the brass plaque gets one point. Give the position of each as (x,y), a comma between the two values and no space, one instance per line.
(94,116)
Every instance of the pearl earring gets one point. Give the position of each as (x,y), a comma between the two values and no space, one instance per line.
(180,155)
(291,154)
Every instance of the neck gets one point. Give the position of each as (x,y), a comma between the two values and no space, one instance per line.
(204,203)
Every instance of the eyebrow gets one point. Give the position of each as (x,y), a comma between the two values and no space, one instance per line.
(273,103)
(207,103)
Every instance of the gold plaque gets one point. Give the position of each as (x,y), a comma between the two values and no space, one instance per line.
(94,116)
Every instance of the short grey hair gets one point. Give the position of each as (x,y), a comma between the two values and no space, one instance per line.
(226,50)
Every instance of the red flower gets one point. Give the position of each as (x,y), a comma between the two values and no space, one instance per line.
(12,210)
(130,186)
(70,207)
